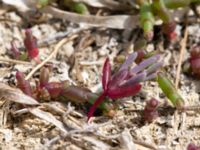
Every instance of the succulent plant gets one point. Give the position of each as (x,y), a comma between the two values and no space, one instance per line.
(150,110)
(126,81)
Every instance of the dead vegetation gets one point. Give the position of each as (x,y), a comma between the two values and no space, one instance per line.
(76,46)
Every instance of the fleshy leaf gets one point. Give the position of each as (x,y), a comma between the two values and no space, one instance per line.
(170,91)
(195,65)
(146,63)
(54,88)
(151,76)
(30,43)
(106,74)
(150,110)
(124,91)
(135,79)
(15,51)
(128,61)
(195,52)
(44,77)
(154,67)
(192,146)
(23,84)
(118,78)
(77,94)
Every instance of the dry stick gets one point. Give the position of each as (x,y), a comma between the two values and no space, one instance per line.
(115,21)
(182,50)
(14,61)
(53,53)
(90,63)
(109,4)
(138,142)
(74,131)
(58,36)
(190,108)
(147,145)
(8,20)
(183,45)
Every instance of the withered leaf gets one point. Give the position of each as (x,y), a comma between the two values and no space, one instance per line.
(15,95)
(49,118)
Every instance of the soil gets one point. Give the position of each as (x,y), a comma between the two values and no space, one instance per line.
(80,62)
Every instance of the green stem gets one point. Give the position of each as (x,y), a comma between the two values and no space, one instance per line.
(147,19)
(77,7)
(161,10)
(43,3)
(173,4)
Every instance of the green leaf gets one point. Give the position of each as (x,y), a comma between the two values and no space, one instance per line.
(170,91)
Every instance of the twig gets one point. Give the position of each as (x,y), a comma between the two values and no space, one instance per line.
(53,53)
(115,21)
(14,61)
(144,144)
(74,131)
(51,142)
(90,129)
(52,38)
(58,36)
(8,20)
(183,45)
(89,63)
(147,145)
(21,111)
(182,50)
(195,108)
(109,4)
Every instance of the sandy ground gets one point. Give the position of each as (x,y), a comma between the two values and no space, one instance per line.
(80,62)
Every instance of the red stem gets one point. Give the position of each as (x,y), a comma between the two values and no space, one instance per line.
(96,103)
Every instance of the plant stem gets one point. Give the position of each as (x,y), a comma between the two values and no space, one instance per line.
(160,9)
(146,18)
(173,4)
(96,103)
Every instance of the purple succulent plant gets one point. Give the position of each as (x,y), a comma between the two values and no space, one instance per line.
(126,81)
(150,110)
(30,43)
(192,146)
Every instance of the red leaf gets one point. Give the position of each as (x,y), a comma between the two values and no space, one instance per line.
(77,94)
(106,74)
(15,51)
(195,52)
(96,103)
(23,84)
(195,65)
(30,43)
(150,111)
(124,91)
(172,36)
(54,88)
(168,28)
(192,146)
